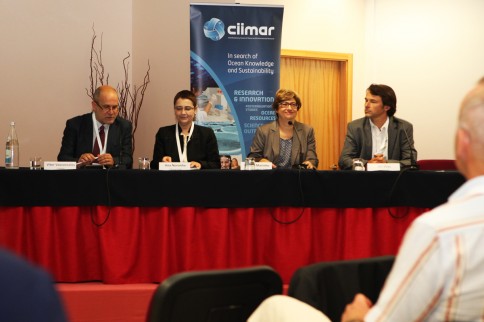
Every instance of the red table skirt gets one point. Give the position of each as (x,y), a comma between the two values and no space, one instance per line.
(142,244)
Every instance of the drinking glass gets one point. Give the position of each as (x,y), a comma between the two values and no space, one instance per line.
(143,163)
(249,164)
(358,165)
(35,163)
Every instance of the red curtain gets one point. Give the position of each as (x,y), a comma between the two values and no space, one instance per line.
(141,245)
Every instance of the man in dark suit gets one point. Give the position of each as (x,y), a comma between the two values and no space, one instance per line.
(101,136)
(27,293)
(379,137)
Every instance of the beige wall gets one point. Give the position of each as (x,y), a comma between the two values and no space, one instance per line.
(44,65)
(160,33)
(430,51)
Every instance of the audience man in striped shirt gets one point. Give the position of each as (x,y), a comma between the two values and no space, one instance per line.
(438,274)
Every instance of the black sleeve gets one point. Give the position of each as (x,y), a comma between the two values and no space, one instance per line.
(69,143)
(125,157)
(213,157)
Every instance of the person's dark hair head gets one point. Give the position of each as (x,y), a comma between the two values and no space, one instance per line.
(387,95)
(185,94)
(285,95)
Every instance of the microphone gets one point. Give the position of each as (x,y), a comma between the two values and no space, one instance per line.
(300,164)
(120,163)
(413,163)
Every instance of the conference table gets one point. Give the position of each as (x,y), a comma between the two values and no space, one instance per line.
(141,226)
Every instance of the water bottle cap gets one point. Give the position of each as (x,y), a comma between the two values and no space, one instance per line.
(12,123)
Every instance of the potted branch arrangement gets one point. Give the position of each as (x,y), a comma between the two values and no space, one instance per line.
(130,96)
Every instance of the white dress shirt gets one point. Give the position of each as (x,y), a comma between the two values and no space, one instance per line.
(379,138)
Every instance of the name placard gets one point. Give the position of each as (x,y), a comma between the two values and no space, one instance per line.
(383,166)
(257,166)
(59,165)
(167,166)
(263,166)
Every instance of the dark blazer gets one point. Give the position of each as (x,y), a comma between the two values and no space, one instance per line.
(27,293)
(202,147)
(266,144)
(358,142)
(78,139)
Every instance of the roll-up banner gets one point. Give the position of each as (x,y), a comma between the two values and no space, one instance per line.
(235,60)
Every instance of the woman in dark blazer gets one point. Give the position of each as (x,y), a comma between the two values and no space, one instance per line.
(185,141)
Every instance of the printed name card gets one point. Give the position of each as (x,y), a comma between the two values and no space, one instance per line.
(263,166)
(59,165)
(256,166)
(167,166)
(383,166)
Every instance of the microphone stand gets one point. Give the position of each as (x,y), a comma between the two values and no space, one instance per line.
(413,166)
(300,165)
(413,163)
(120,163)
(301,193)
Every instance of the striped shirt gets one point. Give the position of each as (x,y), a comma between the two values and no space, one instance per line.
(439,271)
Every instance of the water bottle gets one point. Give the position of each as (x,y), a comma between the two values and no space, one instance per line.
(12,156)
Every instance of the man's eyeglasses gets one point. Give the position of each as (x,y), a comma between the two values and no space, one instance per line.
(108,108)
(186,108)
(292,105)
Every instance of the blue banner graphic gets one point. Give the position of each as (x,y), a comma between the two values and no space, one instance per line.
(235,61)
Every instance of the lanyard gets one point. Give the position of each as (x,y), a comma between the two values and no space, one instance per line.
(183,154)
(96,130)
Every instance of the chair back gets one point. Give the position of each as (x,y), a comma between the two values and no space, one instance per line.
(329,286)
(437,164)
(213,295)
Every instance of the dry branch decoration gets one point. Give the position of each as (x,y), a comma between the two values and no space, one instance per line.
(130,96)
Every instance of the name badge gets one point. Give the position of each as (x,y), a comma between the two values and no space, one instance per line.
(59,165)
(383,166)
(256,166)
(167,166)
(263,166)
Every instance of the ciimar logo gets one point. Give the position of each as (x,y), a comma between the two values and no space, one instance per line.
(214,29)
